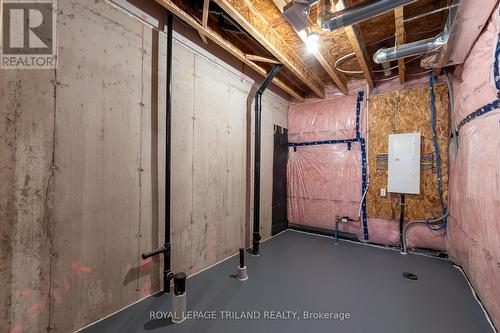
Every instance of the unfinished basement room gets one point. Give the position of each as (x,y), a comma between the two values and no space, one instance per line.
(253,166)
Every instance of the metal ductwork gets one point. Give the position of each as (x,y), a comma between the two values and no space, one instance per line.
(297,12)
(411,49)
(424,46)
(330,21)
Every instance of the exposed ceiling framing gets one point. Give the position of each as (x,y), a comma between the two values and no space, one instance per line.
(256,24)
(400,40)
(257,33)
(226,45)
(322,55)
(358,47)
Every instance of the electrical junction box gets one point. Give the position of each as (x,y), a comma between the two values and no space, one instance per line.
(404,163)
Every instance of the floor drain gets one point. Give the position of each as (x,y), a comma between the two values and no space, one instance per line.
(410,276)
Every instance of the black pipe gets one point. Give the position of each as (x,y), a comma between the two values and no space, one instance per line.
(256,186)
(166,249)
(168,151)
(146,255)
(242,258)
(401,220)
(179,284)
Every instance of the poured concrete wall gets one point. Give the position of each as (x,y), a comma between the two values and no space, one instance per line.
(81,190)
(211,105)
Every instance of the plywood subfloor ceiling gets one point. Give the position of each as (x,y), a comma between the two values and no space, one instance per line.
(257,33)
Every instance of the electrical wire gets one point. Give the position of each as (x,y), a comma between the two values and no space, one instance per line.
(342,59)
(444,223)
(423,31)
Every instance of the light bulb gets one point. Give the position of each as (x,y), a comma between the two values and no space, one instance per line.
(312,41)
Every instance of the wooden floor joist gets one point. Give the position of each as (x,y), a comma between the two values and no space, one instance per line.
(360,52)
(323,56)
(358,47)
(226,45)
(248,17)
(401,39)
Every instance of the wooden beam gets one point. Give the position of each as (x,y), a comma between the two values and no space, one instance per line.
(360,51)
(203,38)
(257,58)
(204,19)
(401,39)
(248,17)
(358,47)
(323,56)
(226,45)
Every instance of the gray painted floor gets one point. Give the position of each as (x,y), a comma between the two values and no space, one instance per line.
(302,272)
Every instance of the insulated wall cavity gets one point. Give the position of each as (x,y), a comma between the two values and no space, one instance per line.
(325,180)
(474,226)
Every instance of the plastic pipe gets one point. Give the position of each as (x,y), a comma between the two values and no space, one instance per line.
(166,248)
(242,257)
(168,155)
(256,185)
(179,303)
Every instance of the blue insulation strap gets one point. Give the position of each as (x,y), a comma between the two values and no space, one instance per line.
(326,142)
(363,188)
(479,112)
(358,113)
(496,65)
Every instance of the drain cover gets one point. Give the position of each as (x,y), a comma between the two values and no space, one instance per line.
(410,276)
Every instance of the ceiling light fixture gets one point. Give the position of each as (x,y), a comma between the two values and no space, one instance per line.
(312,42)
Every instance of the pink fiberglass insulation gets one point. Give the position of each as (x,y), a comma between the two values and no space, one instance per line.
(326,120)
(324,180)
(474,225)
(383,231)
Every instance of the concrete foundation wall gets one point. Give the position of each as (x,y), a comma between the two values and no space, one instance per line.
(82,188)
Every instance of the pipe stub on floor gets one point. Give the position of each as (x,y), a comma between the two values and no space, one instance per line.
(242,274)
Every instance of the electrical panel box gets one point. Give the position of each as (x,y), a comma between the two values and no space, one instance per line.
(404,163)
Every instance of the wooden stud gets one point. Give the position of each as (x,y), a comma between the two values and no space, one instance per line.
(247,16)
(401,39)
(324,58)
(226,45)
(204,20)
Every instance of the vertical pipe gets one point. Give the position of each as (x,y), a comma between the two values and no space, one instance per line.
(242,258)
(401,220)
(168,150)
(256,177)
